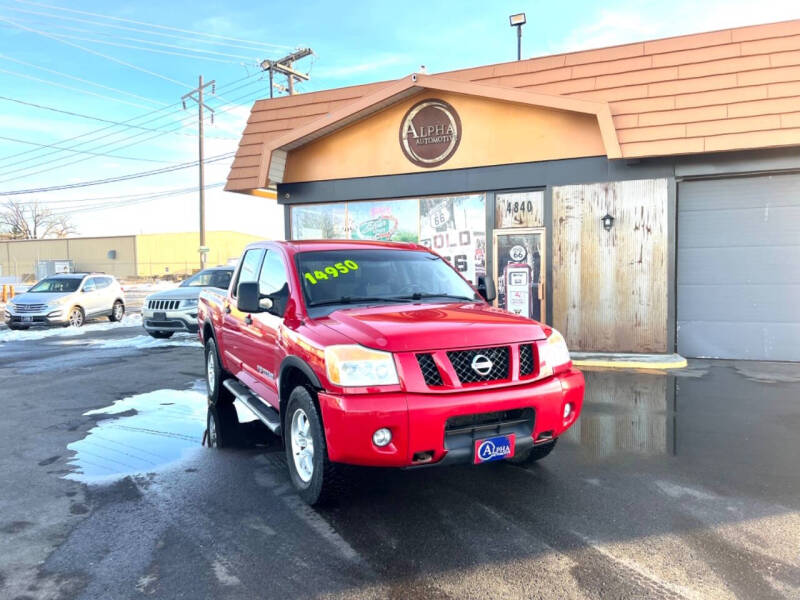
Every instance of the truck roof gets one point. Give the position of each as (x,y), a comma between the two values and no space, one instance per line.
(317,245)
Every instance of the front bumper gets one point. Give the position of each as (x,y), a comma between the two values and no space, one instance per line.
(55,316)
(173,320)
(418,421)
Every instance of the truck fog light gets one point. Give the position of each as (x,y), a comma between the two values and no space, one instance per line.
(382,437)
(567,410)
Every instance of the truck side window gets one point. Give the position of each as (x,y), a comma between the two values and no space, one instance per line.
(273,274)
(251,261)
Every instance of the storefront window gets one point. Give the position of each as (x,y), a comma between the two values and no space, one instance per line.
(388,220)
(519,209)
(455,227)
(319,221)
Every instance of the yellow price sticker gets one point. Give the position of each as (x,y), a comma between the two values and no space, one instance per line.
(330,271)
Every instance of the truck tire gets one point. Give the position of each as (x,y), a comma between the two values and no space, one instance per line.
(76,317)
(534,454)
(222,426)
(215,375)
(316,479)
(161,335)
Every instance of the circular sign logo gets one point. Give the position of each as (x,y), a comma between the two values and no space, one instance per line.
(430,133)
(482,365)
(517,253)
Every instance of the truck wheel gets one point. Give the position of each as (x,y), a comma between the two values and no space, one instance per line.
(161,335)
(534,454)
(217,393)
(222,426)
(316,479)
(117,311)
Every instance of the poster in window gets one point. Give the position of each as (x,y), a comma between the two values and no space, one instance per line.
(519,269)
(519,209)
(319,222)
(385,220)
(455,227)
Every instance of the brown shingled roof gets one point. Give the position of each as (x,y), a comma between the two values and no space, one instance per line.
(723,90)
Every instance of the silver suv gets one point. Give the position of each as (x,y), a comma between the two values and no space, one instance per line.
(175,309)
(67,299)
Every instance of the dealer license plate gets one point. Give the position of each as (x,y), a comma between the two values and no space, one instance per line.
(495,448)
(160,316)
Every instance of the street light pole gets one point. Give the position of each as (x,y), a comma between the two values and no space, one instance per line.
(518,21)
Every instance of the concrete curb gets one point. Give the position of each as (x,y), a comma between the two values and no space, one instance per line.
(629,361)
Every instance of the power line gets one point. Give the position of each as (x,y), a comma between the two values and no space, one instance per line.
(71,88)
(18,141)
(153,25)
(96,53)
(240,45)
(127,177)
(100,85)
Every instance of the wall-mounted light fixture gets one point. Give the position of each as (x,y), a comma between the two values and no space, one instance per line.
(608,222)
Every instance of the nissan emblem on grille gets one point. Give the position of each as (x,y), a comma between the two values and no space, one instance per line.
(481,364)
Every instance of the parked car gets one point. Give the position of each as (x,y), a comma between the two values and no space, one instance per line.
(166,312)
(380,354)
(68,299)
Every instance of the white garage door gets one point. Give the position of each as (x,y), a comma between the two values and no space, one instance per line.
(739,268)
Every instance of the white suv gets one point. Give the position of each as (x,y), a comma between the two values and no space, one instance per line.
(67,299)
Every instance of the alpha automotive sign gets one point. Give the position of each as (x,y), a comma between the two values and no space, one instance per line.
(430,133)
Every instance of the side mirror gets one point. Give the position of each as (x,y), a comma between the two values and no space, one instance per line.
(486,288)
(248,297)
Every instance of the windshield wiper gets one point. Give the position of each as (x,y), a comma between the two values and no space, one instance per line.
(420,296)
(356,300)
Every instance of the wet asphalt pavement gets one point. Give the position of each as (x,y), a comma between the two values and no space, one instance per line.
(682,486)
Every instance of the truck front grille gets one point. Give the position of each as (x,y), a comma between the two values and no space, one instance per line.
(526,364)
(429,370)
(163,304)
(462,361)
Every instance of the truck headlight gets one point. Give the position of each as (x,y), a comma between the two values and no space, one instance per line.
(189,303)
(356,366)
(553,352)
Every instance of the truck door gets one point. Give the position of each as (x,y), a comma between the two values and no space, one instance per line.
(259,345)
(233,321)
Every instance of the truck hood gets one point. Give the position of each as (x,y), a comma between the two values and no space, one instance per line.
(420,327)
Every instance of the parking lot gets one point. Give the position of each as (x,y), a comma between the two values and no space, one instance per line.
(680,486)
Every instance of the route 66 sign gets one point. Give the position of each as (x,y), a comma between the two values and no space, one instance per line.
(518,253)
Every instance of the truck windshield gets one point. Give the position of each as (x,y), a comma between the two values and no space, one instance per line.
(219,278)
(376,276)
(60,286)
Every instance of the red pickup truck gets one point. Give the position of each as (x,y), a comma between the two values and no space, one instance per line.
(380,354)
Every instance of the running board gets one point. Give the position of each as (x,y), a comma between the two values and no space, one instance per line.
(266,414)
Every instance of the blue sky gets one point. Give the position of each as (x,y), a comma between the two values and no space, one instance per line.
(141,67)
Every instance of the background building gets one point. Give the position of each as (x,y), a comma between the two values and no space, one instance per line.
(643,197)
(156,254)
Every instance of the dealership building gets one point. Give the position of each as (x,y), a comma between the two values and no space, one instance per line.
(639,198)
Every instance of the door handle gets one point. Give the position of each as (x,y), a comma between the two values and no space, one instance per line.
(227,309)
(248,320)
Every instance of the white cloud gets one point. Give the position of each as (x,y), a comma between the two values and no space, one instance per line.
(359,68)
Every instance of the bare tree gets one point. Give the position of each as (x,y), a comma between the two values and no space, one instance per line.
(32,221)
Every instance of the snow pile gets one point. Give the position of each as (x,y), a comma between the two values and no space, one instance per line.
(7,335)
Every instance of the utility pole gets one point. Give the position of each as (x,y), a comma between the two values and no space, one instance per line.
(200,160)
(285,66)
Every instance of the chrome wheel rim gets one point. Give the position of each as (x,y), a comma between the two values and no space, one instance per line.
(76,317)
(302,445)
(118,311)
(213,442)
(211,374)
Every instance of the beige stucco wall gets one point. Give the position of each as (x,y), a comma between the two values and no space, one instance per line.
(19,258)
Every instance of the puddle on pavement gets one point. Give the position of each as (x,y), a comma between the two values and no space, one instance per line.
(152,431)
